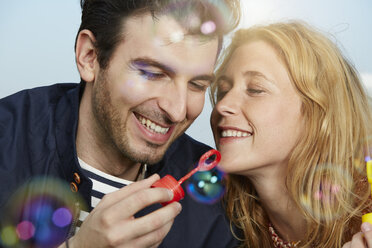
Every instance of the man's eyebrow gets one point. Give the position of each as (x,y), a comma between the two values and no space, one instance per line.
(145,61)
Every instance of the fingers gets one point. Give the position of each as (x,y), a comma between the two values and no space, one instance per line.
(367,232)
(156,220)
(133,203)
(146,231)
(153,239)
(347,245)
(122,193)
(357,241)
(112,223)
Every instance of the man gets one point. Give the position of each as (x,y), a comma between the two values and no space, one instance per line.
(145,66)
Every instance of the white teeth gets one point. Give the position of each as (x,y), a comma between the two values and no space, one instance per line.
(234,133)
(152,126)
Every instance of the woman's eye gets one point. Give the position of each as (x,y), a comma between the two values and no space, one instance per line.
(150,75)
(254,91)
(198,86)
(221,94)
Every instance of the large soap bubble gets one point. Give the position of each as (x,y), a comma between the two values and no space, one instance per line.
(39,214)
(323,198)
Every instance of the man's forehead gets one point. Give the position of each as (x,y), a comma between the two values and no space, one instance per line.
(164,29)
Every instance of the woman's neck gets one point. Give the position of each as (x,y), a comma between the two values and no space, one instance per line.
(282,211)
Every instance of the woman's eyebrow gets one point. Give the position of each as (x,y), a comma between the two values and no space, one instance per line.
(224,78)
(257,74)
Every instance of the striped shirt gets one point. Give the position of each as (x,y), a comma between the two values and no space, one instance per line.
(102,183)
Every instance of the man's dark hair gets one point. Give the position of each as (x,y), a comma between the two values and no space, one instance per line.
(105,18)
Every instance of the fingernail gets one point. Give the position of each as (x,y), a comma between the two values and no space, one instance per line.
(178,206)
(170,193)
(366,227)
(154,175)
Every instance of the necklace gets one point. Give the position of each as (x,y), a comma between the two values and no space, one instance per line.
(278,242)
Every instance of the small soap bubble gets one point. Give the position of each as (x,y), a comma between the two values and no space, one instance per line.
(208,27)
(9,236)
(176,36)
(62,217)
(322,199)
(25,230)
(206,186)
(39,214)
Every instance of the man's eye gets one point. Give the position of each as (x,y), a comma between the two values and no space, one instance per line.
(148,75)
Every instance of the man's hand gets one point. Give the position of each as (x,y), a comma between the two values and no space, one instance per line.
(112,222)
(361,239)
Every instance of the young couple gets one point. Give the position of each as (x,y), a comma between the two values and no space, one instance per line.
(290,119)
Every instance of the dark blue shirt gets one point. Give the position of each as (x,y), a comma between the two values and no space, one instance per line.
(37,138)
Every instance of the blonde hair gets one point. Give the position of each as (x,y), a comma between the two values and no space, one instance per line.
(329,158)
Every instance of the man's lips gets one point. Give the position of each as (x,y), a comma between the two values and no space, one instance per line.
(151,125)
(152,131)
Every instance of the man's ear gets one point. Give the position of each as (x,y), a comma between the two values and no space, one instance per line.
(86,55)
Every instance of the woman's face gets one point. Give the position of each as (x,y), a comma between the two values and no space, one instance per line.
(257,120)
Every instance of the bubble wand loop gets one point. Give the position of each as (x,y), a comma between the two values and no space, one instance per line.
(206,162)
(368,217)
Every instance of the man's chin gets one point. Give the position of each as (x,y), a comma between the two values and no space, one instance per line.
(150,159)
(148,155)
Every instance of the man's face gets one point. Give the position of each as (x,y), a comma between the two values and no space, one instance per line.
(153,88)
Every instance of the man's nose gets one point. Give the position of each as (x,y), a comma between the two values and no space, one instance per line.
(174,102)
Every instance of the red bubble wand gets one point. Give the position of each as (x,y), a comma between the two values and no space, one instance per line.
(206,162)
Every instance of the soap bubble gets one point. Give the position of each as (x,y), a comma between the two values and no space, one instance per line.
(206,186)
(194,18)
(323,197)
(208,27)
(39,214)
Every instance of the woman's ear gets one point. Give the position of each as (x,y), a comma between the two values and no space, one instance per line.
(86,55)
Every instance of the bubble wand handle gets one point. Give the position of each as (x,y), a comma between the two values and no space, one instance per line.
(206,162)
(368,217)
(188,175)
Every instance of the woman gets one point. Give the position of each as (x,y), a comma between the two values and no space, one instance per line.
(292,120)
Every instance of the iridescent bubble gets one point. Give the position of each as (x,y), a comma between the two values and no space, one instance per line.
(40,213)
(359,165)
(25,230)
(176,36)
(193,16)
(322,198)
(208,27)
(9,236)
(62,217)
(206,186)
